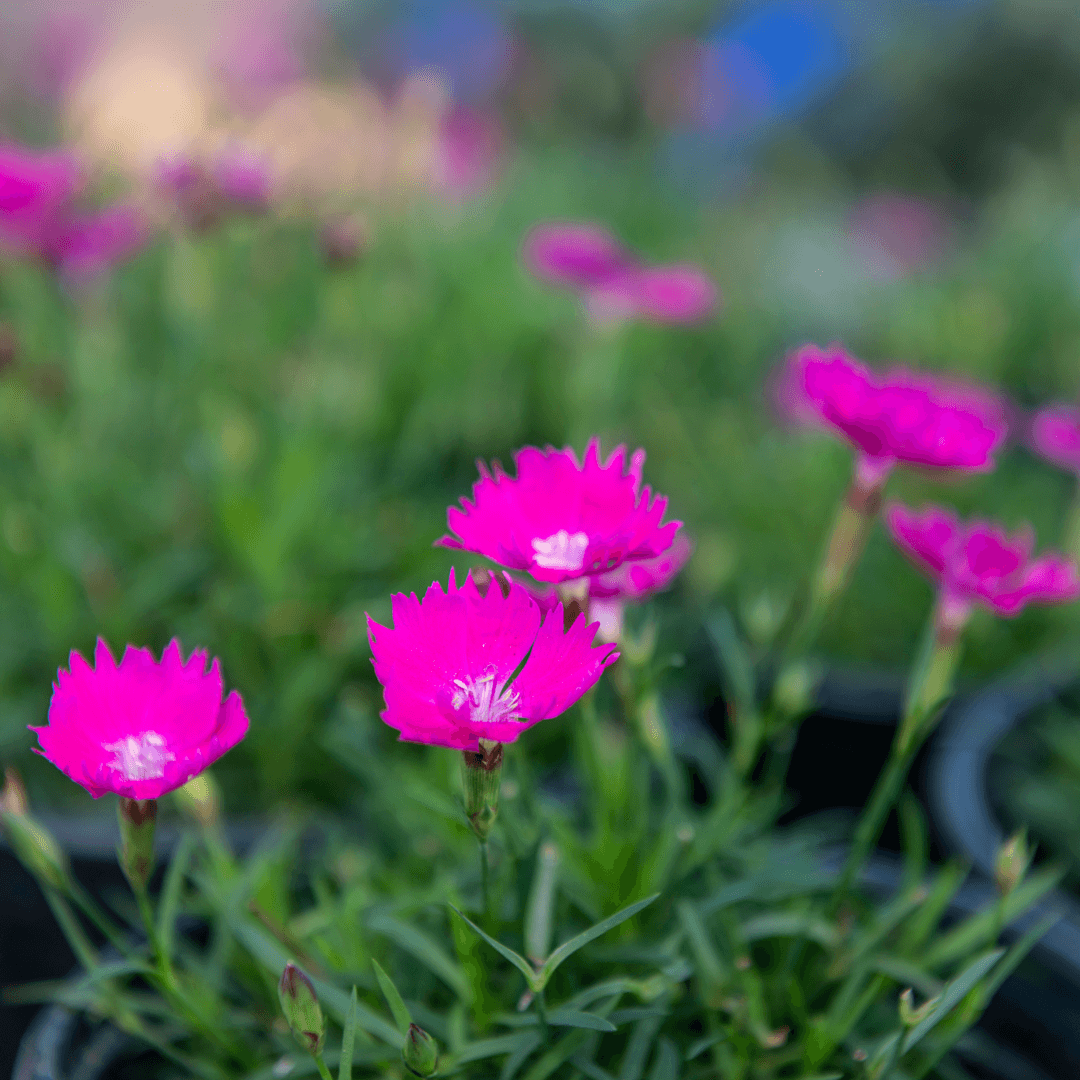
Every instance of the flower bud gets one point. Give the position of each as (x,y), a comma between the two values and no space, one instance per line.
(34,846)
(137,818)
(301,1009)
(909,1015)
(200,798)
(795,688)
(420,1052)
(481,774)
(1012,862)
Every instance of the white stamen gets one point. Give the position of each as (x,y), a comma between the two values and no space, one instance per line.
(482,698)
(139,757)
(562,551)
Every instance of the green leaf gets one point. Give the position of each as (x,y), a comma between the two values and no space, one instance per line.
(393,998)
(703,1044)
(790,924)
(1017,951)
(947,883)
(561,1052)
(518,1058)
(348,1041)
(914,841)
(635,1012)
(538,911)
(711,968)
(574,1018)
(637,1048)
(981,928)
(590,1068)
(954,992)
(665,1064)
(425,949)
(735,664)
(488,1048)
(906,974)
(608,988)
(170,893)
(517,960)
(568,948)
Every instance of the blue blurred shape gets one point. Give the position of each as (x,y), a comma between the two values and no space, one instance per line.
(465,41)
(774,59)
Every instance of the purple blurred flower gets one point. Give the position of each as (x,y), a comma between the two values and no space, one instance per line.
(468,154)
(1055,434)
(896,234)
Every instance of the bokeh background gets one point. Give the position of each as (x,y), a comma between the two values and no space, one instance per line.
(241,422)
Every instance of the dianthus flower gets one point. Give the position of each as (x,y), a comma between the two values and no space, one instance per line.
(39,216)
(977,562)
(561,519)
(1055,434)
(447,663)
(614,285)
(139,728)
(898,417)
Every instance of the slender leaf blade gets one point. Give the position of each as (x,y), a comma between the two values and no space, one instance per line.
(954,992)
(348,1040)
(576,1019)
(170,893)
(516,959)
(425,949)
(568,948)
(393,998)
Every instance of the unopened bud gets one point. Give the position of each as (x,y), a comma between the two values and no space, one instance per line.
(909,1015)
(420,1052)
(301,1009)
(1012,862)
(481,774)
(137,818)
(200,798)
(34,846)
(795,688)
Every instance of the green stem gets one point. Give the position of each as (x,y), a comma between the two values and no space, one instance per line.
(73,931)
(541,1012)
(485,886)
(90,909)
(324,1072)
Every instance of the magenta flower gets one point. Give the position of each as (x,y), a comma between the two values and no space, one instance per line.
(39,215)
(140,728)
(1055,433)
(446,664)
(560,518)
(976,562)
(614,286)
(468,154)
(899,417)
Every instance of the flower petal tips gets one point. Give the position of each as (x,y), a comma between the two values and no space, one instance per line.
(140,728)
(560,519)
(977,562)
(447,662)
(898,417)
(1055,434)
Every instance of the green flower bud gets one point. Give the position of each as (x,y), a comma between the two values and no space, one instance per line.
(137,818)
(301,1009)
(481,775)
(420,1052)
(34,846)
(200,799)
(1012,862)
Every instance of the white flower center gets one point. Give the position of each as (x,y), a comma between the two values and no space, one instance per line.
(561,551)
(139,757)
(482,698)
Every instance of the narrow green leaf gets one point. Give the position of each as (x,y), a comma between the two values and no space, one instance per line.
(701,1045)
(170,893)
(665,1064)
(947,883)
(981,928)
(488,1048)
(393,998)
(561,1052)
(348,1040)
(1017,951)
(637,1048)
(425,949)
(710,967)
(568,948)
(608,988)
(735,663)
(954,992)
(516,959)
(574,1018)
(906,973)
(518,1058)
(590,1068)
(790,924)
(913,840)
(635,1012)
(538,911)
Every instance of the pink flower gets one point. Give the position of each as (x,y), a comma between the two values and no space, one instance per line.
(447,662)
(140,728)
(614,285)
(1055,434)
(976,562)
(470,147)
(577,255)
(561,519)
(899,417)
(242,177)
(39,215)
(897,234)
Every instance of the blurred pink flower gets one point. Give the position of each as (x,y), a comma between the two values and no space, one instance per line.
(242,176)
(446,664)
(899,417)
(976,562)
(560,518)
(898,234)
(140,728)
(1055,434)
(468,153)
(614,285)
(39,215)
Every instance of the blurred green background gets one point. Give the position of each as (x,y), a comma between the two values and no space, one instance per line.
(232,440)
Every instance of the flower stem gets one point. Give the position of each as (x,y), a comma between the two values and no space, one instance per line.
(73,931)
(324,1072)
(485,887)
